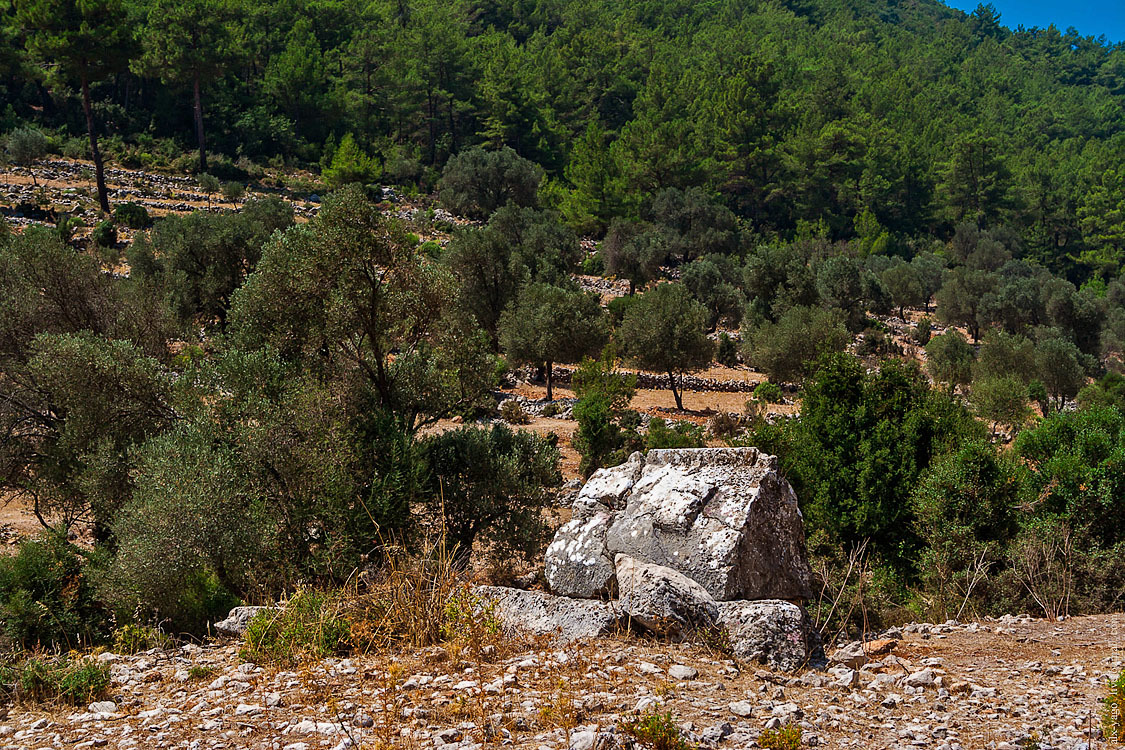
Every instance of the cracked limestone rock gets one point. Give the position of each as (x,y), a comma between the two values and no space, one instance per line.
(723,517)
(539,613)
(771,632)
(662,600)
(237,620)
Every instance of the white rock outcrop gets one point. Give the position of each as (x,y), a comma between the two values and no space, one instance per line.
(723,517)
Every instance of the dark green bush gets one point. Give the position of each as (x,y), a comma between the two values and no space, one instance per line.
(490,485)
(727,352)
(105,233)
(46,598)
(603,394)
(678,435)
(767,392)
(593,265)
(132,215)
(476,182)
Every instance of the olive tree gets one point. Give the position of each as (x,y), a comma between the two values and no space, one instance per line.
(348,296)
(665,330)
(477,182)
(784,350)
(549,324)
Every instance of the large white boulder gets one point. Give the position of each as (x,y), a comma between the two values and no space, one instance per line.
(723,517)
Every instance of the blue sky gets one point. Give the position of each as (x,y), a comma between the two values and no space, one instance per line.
(1090,17)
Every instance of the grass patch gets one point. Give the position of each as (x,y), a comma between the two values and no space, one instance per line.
(310,626)
(787,737)
(657,731)
(197,672)
(415,602)
(74,682)
(131,639)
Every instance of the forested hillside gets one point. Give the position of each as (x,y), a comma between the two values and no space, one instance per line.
(462,253)
(871,116)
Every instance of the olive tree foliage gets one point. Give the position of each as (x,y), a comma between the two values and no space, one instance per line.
(665,330)
(1059,364)
(477,182)
(713,281)
(491,486)
(949,359)
(695,225)
(963,299)
(259,485)
(25,147)
(549,324)
(902,282)
(784,350)
(196,262)
(81,381)
(1001,400)
(1004,355)
(348,296)
(634,251)
(516,246)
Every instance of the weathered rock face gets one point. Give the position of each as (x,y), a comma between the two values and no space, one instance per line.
(540,613)
(662,600)
(723,517)
(774,632)
(237,620)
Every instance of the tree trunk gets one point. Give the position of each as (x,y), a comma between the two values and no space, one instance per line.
(677,393)
(198,112)
(550,381)
(99,170)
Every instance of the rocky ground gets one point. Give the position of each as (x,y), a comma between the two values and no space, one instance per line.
(998,684)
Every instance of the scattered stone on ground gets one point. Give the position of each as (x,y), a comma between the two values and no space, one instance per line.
(990,684)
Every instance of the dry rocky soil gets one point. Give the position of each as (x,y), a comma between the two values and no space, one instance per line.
(1000,684)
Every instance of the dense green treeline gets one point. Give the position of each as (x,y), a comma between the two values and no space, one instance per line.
(868,116)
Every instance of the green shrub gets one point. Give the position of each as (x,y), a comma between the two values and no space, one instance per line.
(199,672)
(512,412)
(312,625)
(105,233)
(787,737)
(233,192)
(678,435)
(656,731)
(618,306)
(923,332)
(132,215)
(769,393)
(61,680)
(490,485)
(593,265)
(727,352)
(603,394)
(431,249)
(476,182)
(552,410)
(46,599)
(350,163)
